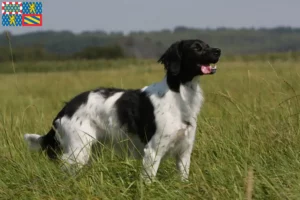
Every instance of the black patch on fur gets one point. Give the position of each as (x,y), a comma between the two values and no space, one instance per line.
(72,106)
(136,112)
(173,83)
(108,92)
(187,123)
(50,144)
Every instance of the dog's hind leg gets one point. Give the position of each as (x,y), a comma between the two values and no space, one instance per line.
(77,140)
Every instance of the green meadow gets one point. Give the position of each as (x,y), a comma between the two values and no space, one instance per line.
(247,144)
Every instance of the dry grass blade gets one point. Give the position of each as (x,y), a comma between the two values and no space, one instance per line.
(249,184)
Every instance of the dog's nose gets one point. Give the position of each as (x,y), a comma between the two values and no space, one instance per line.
(216,51)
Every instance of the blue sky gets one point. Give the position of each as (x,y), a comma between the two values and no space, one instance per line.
(133,15)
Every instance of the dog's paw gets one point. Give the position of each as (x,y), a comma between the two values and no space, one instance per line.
(146,179)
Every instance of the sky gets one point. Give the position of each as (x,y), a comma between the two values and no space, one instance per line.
(135,15)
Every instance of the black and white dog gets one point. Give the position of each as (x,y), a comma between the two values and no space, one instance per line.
(156,120)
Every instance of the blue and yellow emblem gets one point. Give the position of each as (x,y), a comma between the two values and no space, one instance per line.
(11,20)
(32,8)
(32,20)
(22,13)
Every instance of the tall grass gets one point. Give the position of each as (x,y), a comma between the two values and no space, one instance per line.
(247,143)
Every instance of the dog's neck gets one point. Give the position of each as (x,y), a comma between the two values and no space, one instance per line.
(191,98)
(176,81)
(173,82)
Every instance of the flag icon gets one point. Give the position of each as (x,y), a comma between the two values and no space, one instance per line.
(32,7)
(11,20)
(22,13)
(11,8)
(32,20)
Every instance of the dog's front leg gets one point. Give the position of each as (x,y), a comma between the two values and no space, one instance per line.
(154,151)
(151,161)
(183,164)
(183,158)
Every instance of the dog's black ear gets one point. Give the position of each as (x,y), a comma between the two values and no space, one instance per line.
(172,58)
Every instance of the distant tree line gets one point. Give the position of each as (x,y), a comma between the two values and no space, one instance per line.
(40,54)
(49,45)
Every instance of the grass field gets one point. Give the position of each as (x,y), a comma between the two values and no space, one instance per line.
(248,134)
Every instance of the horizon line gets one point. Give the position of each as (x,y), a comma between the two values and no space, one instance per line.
(154,30)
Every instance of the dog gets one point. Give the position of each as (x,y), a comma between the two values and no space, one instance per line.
(156,120)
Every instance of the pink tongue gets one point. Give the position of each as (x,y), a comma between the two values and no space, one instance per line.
(206,69)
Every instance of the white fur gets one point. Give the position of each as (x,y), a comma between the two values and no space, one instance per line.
(33,141)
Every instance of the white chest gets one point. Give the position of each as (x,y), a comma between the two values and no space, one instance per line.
(174,111)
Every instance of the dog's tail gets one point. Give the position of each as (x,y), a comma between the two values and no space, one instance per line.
(47,143)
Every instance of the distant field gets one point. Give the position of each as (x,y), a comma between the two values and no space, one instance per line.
(250,122)
(70,65)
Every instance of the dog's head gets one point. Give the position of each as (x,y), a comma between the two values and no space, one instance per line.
(186,59)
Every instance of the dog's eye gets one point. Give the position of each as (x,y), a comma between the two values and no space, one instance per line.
(198,48)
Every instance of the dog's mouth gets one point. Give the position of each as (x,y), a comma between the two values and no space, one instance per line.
(208,68)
